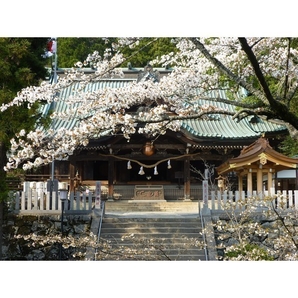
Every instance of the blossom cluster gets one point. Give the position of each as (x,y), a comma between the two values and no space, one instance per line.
(105,111)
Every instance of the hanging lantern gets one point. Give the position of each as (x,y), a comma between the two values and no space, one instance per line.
(155,170)
(169,164)
(129,165)
(141,172)
(148,149)
(221,182)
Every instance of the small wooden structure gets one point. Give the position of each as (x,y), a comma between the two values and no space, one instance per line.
(258,160)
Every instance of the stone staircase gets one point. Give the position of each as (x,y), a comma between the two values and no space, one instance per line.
(150,231)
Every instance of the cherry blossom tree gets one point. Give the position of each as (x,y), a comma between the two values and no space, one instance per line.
(265,68)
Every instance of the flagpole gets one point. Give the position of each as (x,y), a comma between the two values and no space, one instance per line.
(55,81)
(55,63)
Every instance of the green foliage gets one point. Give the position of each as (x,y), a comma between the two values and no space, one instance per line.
(289,147)
(248,251)
(72,50)
(3,187)
(21,65)
(148,52)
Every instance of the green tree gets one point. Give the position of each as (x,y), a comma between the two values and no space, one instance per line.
(149,50)
(72,50)
(21,65)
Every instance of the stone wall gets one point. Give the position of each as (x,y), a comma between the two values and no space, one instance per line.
(22,237)
(266,233)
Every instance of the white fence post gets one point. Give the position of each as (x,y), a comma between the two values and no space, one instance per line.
(231,195)
(71,199)
(84,201)
(218,200)
(290,199)
(17,201)
(237,198)
(212,200)
(29,199)
(90,201)
(59,202)
(285,199)
(34,199)
(78,200)
(23,201)
(41,201)
(54,207)
(48,198)
(296,199)
(225,197)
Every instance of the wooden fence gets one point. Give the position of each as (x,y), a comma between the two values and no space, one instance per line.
(38,202)
(282,199)
(34,201)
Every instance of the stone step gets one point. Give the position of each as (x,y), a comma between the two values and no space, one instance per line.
(157,257)
(159,219)
(146,230)
(162,236)
(165,206)
(175,243)
(150,225)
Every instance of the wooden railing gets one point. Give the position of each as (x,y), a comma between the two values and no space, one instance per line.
(39,201)
(34,201)
(281,199)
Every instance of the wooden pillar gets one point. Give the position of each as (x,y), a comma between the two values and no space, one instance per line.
(269,182)
(71,176)
(259,181)
(187,178)
(249,183)
(111,176)
(240,183)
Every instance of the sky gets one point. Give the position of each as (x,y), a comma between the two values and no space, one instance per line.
(129,18)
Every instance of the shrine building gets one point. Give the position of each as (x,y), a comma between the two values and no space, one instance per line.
(170,164)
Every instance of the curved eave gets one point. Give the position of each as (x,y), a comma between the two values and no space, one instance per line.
(227,128)
(268,156)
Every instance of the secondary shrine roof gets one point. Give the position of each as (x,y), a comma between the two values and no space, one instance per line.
(259,153)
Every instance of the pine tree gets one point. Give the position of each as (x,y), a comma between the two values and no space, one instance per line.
(21,65)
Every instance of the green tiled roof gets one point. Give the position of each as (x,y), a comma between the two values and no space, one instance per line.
(61,106)
(217,126)
(224,127)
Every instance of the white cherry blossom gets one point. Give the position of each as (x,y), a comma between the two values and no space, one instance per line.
(174,98)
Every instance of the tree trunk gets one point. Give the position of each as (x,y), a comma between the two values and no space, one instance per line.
(3,191)
(1,228)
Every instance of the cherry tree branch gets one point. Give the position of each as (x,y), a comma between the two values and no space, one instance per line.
(222,68)
(281,110)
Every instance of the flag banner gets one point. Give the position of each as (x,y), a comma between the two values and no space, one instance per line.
(51,48)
